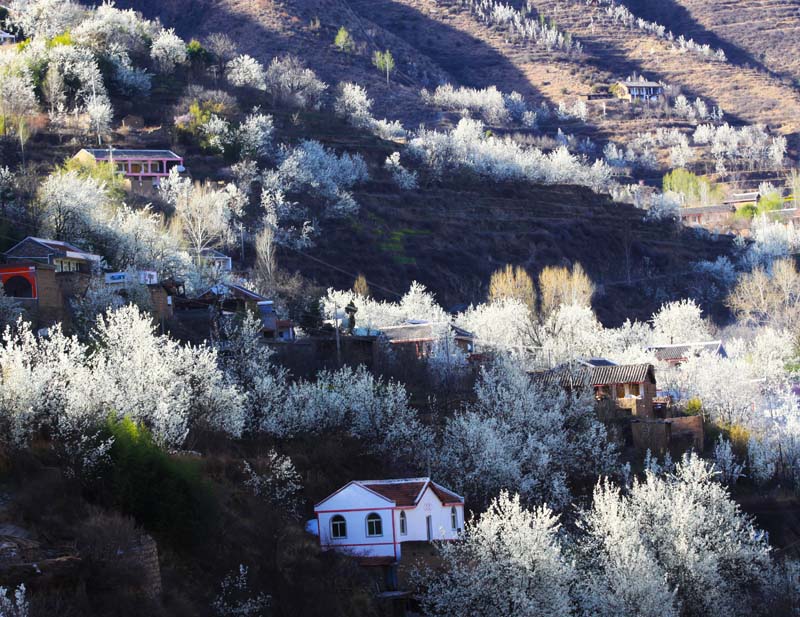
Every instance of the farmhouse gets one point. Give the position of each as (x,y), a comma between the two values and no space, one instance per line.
(637,90)
(64,256)
(677,354)
(373,518)
(420,336)
(216,259)
(717,216)
(630,387)
(142,169)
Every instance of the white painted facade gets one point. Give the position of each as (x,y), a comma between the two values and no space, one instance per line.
(426,512)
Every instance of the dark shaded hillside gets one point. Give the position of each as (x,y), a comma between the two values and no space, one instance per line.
(451,239)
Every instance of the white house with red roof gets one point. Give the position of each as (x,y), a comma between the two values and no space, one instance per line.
(372,518)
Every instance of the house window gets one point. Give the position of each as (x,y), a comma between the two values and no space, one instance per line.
(374,525)
(403,524)
(454,517)
(338,527)
(634,389)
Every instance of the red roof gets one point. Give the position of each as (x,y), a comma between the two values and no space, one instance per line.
(401,493)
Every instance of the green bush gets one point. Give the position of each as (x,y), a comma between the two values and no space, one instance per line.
(165,494)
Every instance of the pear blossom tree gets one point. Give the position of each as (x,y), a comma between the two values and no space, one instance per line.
(293,84)
(168,51)
(205,214)
(679,322)
(523,436)
(246,71)
(675,544)
(509,562)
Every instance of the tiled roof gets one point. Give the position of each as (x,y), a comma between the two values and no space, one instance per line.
(642,84)
(706,209)
(681,351)
(237,291)
(425,331)
(595,375)
(102,154)
(59,247)
(402,493)
(408,491)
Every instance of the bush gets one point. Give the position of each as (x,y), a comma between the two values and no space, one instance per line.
(165,494)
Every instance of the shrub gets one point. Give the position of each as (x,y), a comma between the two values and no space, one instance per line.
(165,494)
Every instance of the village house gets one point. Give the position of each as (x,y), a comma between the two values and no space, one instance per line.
(419,337)
(739,200)
(216,259)
(631,388)
(7,38)
(715,217)
(373,518)
(677,354)
(142,169)
(234,299)
(161,300)
(638,89)
(273,327)
(42,274)
(64,256)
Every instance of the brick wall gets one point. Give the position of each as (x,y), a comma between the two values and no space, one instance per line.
(653,435)
(51,305)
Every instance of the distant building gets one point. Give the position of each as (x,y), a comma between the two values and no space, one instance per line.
(420,336)
(638,90)
(232,299)
(714,217)
(274,328)
(747,198)
(373,518)
(677,354)
(7,38)
(64,256)
(630,387)
(218,259)
(143,169)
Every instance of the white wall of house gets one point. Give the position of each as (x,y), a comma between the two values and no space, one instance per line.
(429,519)
(355,503)
(417,520)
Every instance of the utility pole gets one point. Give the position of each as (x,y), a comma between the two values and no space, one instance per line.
(338,342)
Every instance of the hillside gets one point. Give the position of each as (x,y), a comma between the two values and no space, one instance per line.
(439,41)
(760,34)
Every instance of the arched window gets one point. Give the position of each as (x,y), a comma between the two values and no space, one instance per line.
(403,524)
(338,527)
(374,525)
(18,287)
(454,517)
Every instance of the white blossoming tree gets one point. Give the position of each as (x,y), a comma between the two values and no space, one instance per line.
(168,51)
(509,562)
(674,545)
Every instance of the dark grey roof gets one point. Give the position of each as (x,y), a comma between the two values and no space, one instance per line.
(582,376)
(682,351)
(412,332)
(707,209)
(599,362)
(642,83)
(102,153)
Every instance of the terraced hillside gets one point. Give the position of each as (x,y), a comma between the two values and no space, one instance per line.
(759,32)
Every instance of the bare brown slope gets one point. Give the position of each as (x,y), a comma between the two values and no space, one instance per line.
(761,33)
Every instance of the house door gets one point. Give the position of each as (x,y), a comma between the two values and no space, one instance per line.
(429,525)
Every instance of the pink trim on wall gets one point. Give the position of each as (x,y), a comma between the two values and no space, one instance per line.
(363,544)
(354,510)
